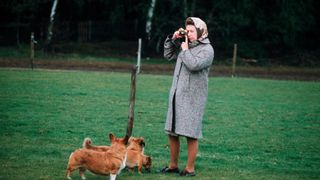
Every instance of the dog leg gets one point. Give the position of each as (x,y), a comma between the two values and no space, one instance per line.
(123,163)
(69,171)
(68,177)
(73,165)
(125,160)
(81,172)
(140,166)
(130,169)
(113,176)
(69,168)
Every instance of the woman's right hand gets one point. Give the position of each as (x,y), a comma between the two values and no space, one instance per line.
(176,34)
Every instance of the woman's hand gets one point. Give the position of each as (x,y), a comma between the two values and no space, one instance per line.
(176,34)
(185,44)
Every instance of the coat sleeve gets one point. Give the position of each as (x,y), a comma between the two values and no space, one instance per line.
(199,61)
(171,48)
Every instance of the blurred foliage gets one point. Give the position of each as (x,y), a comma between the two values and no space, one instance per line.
(262,28)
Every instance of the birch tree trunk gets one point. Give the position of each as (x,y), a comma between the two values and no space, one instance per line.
(149,19)
(50,27)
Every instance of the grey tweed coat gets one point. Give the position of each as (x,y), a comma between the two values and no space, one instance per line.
(189,90)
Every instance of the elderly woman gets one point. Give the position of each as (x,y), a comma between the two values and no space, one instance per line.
(189,91)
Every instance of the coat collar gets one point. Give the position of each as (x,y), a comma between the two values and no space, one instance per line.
(205,41)
(196,43)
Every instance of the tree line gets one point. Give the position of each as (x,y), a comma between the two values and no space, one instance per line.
(263,29)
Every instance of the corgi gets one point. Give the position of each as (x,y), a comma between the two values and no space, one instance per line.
(109,162)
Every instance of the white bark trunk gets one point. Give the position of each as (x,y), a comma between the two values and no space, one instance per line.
(149,18)
(53,12)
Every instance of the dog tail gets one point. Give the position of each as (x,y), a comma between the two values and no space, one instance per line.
(87,143)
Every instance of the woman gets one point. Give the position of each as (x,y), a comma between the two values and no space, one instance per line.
(189,91)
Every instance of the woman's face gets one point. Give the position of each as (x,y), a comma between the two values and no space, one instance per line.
(192,33)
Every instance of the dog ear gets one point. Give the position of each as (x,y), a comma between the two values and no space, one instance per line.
(142,143)
(130,139)
(111,137)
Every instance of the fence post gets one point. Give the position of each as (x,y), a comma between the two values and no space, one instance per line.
(234,60)
(139,56)
(32,41)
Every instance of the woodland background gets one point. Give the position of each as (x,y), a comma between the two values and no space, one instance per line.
(281,32)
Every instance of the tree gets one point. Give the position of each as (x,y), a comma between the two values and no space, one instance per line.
(50,28)
(149,18)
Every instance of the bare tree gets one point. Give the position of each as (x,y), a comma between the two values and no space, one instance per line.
(50,27)
(149,18)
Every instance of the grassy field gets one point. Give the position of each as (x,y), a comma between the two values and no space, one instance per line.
(119,57)
(253,129)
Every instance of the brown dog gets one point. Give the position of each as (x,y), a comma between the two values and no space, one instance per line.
(109,162)
(135,153)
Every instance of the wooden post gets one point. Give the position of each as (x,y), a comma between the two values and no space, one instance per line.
(139,56)
(132,101)
(32,41)
(234,60)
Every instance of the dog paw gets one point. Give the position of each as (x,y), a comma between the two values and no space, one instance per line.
(69,177)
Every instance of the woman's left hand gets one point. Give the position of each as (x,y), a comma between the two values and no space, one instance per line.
(184,45)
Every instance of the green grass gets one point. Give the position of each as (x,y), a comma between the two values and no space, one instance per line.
(253,129)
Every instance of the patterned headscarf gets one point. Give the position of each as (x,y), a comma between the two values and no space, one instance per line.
(200,25)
